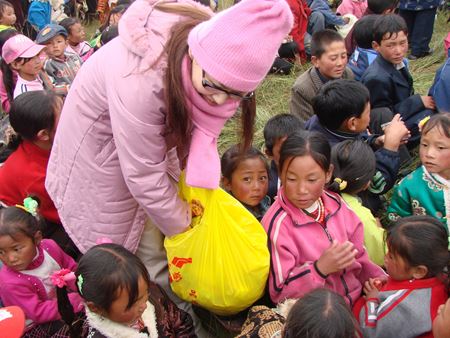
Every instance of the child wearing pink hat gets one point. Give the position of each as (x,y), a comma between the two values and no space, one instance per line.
(22,55)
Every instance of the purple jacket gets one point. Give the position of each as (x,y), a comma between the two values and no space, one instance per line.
(296,241)
(28,292)
(110,165)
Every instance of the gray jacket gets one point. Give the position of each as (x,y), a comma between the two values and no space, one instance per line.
(305,88)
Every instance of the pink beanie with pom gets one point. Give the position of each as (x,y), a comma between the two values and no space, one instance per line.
(238,46)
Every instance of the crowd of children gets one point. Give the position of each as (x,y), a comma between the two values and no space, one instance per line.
(344,261)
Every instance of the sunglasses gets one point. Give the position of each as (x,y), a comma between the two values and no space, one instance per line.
(237,95)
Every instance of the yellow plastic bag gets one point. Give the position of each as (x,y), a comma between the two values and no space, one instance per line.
(222,262)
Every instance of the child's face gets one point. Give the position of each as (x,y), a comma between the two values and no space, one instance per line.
(397,268)
(276,149)
(441,324)
(303,180)
(434,152)
(77,34)
(249,182)
(8,16)
(56,47)
(19,251)
(393,48)
(120,314)
(331,64)
(30,68)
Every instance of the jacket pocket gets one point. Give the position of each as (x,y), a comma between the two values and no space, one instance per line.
(106,153)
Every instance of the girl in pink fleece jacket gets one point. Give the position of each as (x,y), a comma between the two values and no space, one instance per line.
(29,261)
(315,240)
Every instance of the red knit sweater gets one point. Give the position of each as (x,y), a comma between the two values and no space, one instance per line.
(23,174)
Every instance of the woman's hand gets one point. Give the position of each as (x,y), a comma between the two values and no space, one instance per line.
(336,258)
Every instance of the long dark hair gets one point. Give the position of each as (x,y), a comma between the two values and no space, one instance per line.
(178,112)
(102,273)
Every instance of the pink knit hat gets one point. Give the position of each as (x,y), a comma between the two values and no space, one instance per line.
(238,46)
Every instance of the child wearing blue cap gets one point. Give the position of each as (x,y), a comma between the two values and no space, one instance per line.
(61,66)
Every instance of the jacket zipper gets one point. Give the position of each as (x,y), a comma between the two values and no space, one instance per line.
(347,293)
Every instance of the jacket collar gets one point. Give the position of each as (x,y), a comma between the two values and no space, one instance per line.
(332,203)
(112,329)
(395,74)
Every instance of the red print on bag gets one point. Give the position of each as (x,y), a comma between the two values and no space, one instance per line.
(179,262)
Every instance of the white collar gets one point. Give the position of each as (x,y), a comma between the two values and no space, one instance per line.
(112,329)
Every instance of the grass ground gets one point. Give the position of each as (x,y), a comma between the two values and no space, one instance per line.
(273,94)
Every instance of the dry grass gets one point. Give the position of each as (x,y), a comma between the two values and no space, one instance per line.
(273,94)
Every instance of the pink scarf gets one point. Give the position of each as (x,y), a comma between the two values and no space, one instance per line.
(203,162)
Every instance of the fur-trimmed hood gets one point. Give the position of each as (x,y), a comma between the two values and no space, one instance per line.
(109,328)
(142,40)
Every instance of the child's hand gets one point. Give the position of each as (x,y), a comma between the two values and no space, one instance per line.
(196,208)
(336,258)
(371,288)
(428,102)
(395,134)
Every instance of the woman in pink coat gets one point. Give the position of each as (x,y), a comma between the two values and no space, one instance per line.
(149,103)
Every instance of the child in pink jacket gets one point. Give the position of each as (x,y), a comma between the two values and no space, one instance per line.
(355,7)
(315,240)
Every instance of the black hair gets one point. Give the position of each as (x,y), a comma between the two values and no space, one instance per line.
(387,26)
(339,100)
(67,23)
(278,126)
(14,220)
(441,121)
(322,39)
(3,5)
(318,314)
(7,73)
(105,270)
(108,34)
(381,6)
(354,162)
(420,234)
(119,9)
(233,156)
(31,112)
(363,31)
(303,143)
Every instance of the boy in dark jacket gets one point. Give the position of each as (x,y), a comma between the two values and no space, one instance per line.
(389,82)
(343,112)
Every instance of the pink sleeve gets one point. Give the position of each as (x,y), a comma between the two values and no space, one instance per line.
(346,7)
(6,106)
(38,310)
(289,277)
(138,125)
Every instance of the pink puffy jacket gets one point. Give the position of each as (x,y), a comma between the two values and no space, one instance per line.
(110,165)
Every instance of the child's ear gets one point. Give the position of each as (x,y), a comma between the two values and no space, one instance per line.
(314,60)
(419,272)
(16,65)
(329,173)
(226,183)
(94,308)
(350,123)
(38,237)
(43,135)
(375,45)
